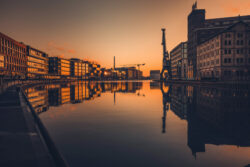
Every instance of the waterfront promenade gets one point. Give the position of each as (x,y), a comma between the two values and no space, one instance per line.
(21,142)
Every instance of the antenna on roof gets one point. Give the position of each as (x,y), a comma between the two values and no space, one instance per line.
(194,6)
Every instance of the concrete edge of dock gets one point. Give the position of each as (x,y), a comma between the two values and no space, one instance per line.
(56,155)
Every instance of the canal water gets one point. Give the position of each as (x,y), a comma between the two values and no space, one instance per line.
(145,124)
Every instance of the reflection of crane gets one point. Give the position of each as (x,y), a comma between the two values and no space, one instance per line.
(166,90)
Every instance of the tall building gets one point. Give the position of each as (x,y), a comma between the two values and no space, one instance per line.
(38,66)
(226,55)
(13,59)
(59,67)
(200,28)
(179,62)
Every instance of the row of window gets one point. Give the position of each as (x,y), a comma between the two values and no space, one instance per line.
(238,60)
(240,73)
(14,60)
(238,42)
(212,62)
(210,54)
(226,73)
(209,47)
(238,51)
(11,52)
(12,45)
(239,35)
(16,68)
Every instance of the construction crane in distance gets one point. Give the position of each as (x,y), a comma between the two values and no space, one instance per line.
(133,65)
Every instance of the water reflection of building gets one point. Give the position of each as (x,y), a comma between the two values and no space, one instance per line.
(179,101)
(223,117)
(54,92)
(216,116)
(41,97)
(126,87)
(65,94)
(155,85)
(79,91)
(38,97)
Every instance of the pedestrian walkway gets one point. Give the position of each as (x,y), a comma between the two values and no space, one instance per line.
(21,144)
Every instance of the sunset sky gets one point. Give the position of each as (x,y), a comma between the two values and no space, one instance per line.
(101,29)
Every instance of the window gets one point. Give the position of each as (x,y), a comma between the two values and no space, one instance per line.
(228,35)
(217,61)
(225,42)
(239,60)
(227,73)
(241,42)
(238,51)
(227,60)
(238,42)
(229,51)
(229,42)
(239,35)
(225,51)
(241,51)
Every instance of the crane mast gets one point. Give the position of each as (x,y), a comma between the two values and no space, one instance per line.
(166,69)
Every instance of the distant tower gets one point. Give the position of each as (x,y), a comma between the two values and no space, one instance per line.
(196,19)
(114,62)
(166,69)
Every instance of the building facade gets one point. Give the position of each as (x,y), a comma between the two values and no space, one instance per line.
(226,55)
(79,68)
(200,28)
(59,67)
(13,59)
(94,71)
(37,63)
(130,73)
(179,62)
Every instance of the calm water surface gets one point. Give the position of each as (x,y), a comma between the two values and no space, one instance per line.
(133,124)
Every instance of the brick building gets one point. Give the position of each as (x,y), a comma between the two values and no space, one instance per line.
(13,59)
(200,28)
(226,55)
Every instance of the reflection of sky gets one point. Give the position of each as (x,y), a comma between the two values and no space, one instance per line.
(129,133)
(101,29)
